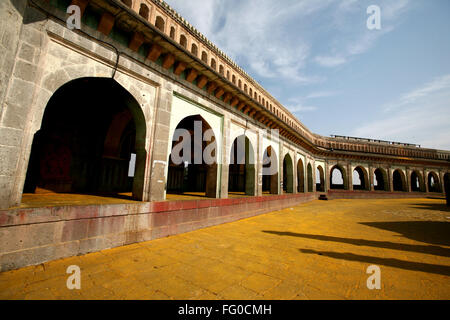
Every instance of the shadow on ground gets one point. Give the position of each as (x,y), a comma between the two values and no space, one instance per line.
(407,265)
(427,249)
(432,206)
(433,232)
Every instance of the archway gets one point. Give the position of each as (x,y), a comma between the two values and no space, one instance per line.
(300,176)
(360,179)
(338,178)
(310,178)
(433,182)
(288,174)
(241,170)
(417,184)
(398,180)
(270,171)
(89,143)
(320,179)
(193,159)
(380,181)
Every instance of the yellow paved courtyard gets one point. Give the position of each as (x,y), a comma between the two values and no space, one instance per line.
(316,250)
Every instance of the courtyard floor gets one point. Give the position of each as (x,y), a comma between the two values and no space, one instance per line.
(316,250)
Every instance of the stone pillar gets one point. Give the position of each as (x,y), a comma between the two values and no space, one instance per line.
(408,179)
(326,182)
(371,179)
(441,181)
(259,160)
(224,166)
(390,181)
(349,177)
(160,145)
(294,174)
(18,78)
(425,180)
(313,165)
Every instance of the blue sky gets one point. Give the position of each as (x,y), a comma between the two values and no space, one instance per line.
(319,59)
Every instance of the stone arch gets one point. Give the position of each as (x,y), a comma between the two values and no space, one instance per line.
(188,170)
(160,23)
(320,179)
(335,179)
(380,180)
(87,146)
(194,49)
(300,176)
(183,41)
(309,177)
(288,174)
(172,32)
(417,183)
(399,180)
(361,178)
(213,64)
(270,171)
(241,169)
(204,57)
(433,182)
(144,11)
(221,70)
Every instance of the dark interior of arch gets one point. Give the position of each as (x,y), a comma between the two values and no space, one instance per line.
(300,177)
(398,182)
(433,182)
(379,181)
(416,183)
(270,181)
(320,185)
(190,177)
(310,178)
(91,130)
(241,170)
(288,183)
(362,180)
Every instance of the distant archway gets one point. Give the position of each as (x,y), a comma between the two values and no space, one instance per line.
(190,172)
(360,179)
(310,177)
(338,178)
(144,11)
(398,180)
(159,23)
(417,184)
(270,171)
(320,179)
(300,176)
(288,174)
(433,182)
(241,170)
(380,181)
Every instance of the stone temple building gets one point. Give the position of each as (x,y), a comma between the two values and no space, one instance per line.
(92,113)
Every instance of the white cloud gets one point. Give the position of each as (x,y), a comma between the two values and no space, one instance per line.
(421,116)
(360,39)
(264,35)
(330,61)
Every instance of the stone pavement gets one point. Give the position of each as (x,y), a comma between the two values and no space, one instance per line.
(316,250)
